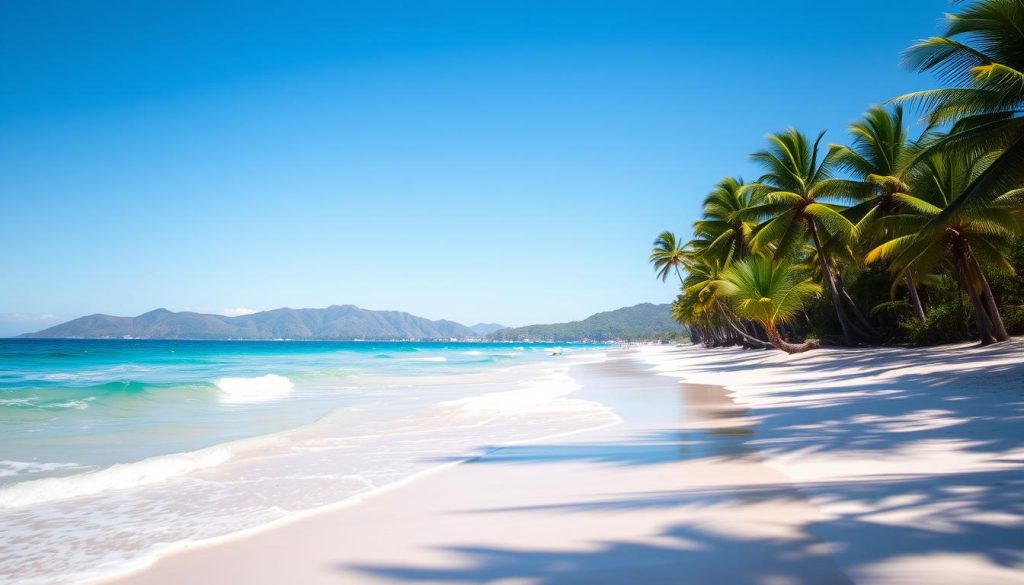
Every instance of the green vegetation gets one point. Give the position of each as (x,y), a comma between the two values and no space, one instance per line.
(642,322)
(769,293)
(899,230)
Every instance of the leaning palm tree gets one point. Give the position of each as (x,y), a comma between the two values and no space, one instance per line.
(797,194)
(981,56)
(667,255)
(703,274)
(882,156)
(971,242)
(769,293)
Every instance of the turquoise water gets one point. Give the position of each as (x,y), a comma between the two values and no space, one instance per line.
(115,451)
(68,403)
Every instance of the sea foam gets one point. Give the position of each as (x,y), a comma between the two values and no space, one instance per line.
(259,389)
(116,477)
(542,395)
(13,468)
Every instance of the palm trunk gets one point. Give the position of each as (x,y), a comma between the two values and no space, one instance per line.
(998,328)
(915,300)
(837,301)
(862,325)
(807,318)
(980,316)
(743,334)
(778,342)
(756,332)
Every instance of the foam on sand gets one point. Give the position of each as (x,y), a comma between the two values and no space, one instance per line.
(116,477)
(259,389)
(543,395)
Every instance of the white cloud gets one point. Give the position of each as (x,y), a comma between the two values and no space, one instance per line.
(238,311)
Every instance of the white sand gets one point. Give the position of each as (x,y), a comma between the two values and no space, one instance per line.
(913,457)
(868,466)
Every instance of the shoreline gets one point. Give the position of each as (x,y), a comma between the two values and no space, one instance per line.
(697,477)
(262,460)
(145,563)
(659,448)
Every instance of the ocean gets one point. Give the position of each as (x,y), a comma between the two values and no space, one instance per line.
(113,452)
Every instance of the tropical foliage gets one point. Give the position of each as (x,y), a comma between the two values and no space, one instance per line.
(898,229)
(769,293)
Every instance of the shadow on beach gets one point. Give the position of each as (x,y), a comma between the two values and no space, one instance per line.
(863,405)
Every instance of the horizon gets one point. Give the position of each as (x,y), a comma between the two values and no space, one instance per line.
(450,161)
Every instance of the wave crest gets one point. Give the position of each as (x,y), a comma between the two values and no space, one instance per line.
(115,477)
(258,389)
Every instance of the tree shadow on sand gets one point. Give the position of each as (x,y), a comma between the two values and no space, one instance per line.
(974,509)
(683,555)
(958,517)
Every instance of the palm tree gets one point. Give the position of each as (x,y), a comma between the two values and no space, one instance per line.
(794,196)
(882,156)
(703,275)
(693,307)
(972,241)
(769,293)
(723,233)
(981,56)
(667,255)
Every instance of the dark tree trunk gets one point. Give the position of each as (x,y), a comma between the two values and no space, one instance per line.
(980,316)
(998,328)
(830,280)
(744,335)
(865,326)
(915,300)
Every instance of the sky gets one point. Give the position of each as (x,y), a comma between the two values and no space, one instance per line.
(503,161)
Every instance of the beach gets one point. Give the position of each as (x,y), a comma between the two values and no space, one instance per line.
(119,452)
(874,465)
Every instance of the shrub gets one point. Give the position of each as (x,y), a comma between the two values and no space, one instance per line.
(1013,318)
(945,324)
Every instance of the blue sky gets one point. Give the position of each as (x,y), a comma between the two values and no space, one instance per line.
(478,161)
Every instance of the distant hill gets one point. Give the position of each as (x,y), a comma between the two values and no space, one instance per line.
(335,322)
(486,328)
(344,322)
(640,321)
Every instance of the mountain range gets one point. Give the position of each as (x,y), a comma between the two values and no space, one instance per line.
(346,322)
(642,321)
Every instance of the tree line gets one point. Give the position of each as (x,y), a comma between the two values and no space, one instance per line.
(889,237)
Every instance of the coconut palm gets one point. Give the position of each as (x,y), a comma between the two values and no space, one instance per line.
(882,156)
(971,242)
(797,197)
(981,56)
(769,293)
(703,274)
(695,308)
(723,233)
(667,255)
